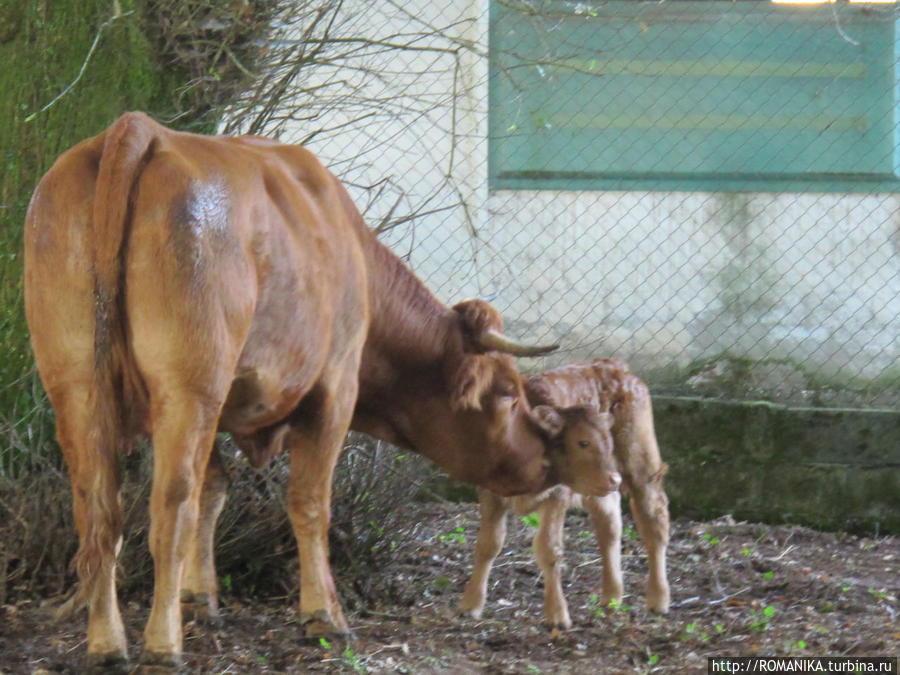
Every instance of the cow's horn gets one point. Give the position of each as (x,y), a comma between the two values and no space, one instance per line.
(494,340)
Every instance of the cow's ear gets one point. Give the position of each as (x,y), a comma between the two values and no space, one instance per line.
(469,379)
(549,420)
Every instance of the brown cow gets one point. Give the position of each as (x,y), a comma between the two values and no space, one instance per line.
(605,383)
(179,284)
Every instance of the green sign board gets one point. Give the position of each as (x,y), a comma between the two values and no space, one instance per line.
(693,95)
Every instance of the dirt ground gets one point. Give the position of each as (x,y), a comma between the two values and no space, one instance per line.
(737,589)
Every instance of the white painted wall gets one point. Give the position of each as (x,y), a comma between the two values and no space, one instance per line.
(661,279)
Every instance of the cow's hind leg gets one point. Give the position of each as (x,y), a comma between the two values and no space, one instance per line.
(91,456)
(548,551)
(606,516)
(199,587)
(184,425)
(491,533)
(315,444)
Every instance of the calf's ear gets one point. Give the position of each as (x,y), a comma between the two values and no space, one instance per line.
(549,420)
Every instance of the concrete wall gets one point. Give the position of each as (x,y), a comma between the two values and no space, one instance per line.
(666,280)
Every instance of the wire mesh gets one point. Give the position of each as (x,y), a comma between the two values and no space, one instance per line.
(706,189)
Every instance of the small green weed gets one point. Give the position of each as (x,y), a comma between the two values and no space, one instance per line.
(613,606)
(690,629)
(352,660)
(760,620)
(457,536)
(531,520)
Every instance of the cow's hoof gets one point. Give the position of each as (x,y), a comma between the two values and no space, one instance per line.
(159,662)
(200,607)
(114,663)
(320,624)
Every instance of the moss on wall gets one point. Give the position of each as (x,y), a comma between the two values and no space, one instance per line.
(828,468)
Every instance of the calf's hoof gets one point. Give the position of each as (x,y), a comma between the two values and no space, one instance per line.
(562,623)
(114,662)
(659,605)
(469,611)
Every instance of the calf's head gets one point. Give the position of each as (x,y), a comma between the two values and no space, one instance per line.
(582,456)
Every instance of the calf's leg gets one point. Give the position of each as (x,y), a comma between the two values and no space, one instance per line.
(606,516)
(491,534)
(637,454)
(548,551)
(649,506)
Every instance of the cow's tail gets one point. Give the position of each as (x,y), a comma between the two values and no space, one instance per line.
(128,144)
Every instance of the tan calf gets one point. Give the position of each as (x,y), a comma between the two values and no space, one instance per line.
(607,384)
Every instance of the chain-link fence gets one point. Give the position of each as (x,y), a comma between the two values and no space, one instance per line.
(707,189)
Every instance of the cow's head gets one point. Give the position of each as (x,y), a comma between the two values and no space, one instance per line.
(506,450)
(582,456)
